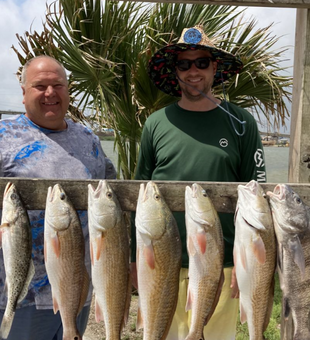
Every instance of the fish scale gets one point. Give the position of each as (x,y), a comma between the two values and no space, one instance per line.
(291,220)
(205,246)
(158,263)
(17,247)
(254,258)
(109,244)
(64,251)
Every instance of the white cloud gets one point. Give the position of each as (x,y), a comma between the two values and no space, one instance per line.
(284,27)
(16,17)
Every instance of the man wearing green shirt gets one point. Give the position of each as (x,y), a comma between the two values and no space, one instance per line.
(200,138)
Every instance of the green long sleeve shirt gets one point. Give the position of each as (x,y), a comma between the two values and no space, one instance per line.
(181,145)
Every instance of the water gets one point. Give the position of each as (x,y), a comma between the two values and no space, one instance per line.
(277,164)
(276,161)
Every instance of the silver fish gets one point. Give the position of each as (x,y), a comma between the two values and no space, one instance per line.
(109,249)
(254,257)
(205,247)
(17,246)
(158,263)
(291,218)
(64,251)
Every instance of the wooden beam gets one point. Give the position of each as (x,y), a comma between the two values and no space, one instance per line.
(257,3)
(223,195)
(299,158)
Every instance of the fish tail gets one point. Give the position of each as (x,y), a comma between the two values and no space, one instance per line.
(6,325)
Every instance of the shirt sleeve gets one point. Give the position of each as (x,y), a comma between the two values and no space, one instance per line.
(146,158)
(252,155)
(110,172)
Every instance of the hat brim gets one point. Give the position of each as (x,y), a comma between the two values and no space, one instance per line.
(162,70)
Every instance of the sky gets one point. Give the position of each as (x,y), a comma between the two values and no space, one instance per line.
(19,16)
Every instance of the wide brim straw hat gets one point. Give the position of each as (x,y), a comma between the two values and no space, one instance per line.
(162,65)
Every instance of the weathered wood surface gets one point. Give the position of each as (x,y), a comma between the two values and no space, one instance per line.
(224,195)
(259,3)
(299,159)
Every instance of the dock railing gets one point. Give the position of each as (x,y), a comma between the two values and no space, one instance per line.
(223,195)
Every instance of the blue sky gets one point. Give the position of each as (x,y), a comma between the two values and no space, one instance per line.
(17,16)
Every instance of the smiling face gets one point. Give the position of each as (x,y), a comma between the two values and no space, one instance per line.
(46,96)
(196,79)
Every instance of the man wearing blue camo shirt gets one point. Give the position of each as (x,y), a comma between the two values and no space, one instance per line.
(43,144)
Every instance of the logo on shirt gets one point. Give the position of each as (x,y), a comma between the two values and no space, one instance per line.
(259,158)
(223,142)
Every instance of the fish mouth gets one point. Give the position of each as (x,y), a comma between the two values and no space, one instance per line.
(278,192)
(96,192)
(54,192)
(200,212)
(150,190)
(8,188)
(251,187)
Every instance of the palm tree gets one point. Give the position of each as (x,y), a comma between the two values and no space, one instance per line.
(106,47)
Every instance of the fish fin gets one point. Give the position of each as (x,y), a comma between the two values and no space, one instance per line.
(45,251)
(202,242)
(280,258)
(29,277)
(128,300)
(216,297)
(259,249)
(1,237)
(243,258)
(280,265)
(149,255)
(55,305)
(91,251)
(84,292)
(188,301)
(55,244)
(243,316)
(270,304)
(297,252)
(100,245)
(236,213)
(6,325)
(139,317)
(98,312)
(191,246)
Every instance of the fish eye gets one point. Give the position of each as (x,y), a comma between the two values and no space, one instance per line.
(62,196)
(13,197)
(297,199)
(156,197)
(109,194)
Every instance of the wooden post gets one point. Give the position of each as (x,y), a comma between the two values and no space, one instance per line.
(299,158)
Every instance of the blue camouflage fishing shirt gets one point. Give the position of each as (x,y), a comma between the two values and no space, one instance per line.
(27,150)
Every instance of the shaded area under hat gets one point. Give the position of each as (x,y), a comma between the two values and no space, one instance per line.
(162,65)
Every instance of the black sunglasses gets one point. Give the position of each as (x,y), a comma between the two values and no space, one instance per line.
(186,64)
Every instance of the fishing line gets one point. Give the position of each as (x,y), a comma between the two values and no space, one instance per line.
(231,116)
